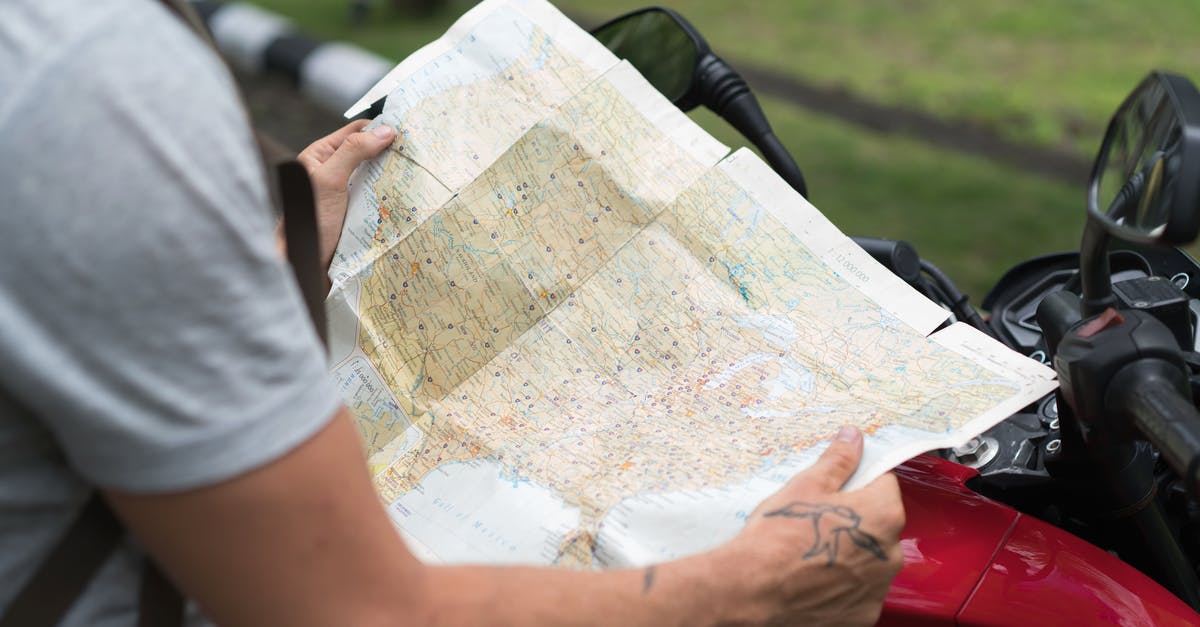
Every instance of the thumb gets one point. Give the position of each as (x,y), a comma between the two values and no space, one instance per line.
(836,464)
(357,148)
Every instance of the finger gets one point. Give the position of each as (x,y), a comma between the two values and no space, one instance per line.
(885,485)
(896,558)
(335,139)
(356,148)
(319,151)
(836,464)
(883,494)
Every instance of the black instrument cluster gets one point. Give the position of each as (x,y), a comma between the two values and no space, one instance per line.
(1011,455)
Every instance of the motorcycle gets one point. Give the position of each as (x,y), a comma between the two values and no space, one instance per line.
(1082,508)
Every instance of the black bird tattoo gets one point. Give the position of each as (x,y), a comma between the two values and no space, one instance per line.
(830,523)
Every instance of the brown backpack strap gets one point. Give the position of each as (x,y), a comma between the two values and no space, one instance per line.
(300,231)
(66,571)
(184,11)
(62,576)
(160,603)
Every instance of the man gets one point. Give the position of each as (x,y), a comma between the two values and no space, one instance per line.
(152,346)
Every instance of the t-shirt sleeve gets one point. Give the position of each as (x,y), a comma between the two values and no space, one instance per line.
(145,315)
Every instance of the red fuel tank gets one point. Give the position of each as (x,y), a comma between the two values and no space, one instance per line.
(969,560)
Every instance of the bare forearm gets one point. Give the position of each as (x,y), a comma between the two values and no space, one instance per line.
(304,541)
(676,593)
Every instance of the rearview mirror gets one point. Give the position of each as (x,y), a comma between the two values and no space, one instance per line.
(1145,185)
(662,45)
(672,55)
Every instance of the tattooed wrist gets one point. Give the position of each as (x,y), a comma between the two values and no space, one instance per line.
(648,579)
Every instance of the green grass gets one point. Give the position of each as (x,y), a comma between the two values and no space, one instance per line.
(971,217)
(1049,73)
(1046,73)
(386,31)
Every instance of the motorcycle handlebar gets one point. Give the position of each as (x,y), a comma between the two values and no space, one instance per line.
(1151,393)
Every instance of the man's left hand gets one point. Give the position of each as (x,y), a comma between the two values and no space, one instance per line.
(330,161)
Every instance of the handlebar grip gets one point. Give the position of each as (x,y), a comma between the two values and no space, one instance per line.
(1152,393)
(898,256)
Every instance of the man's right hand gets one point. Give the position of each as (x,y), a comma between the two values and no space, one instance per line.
(815,556)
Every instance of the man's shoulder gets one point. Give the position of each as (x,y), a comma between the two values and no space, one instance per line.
(97,90)
(136,50)
(157,334)
(38,33)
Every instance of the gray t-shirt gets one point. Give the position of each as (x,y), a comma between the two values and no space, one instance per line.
(151,339)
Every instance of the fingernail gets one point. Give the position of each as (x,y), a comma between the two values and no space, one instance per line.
(383,132)
(847,434)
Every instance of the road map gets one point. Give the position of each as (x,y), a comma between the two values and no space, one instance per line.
(575,329)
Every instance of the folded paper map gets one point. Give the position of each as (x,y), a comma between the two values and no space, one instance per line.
(574,329)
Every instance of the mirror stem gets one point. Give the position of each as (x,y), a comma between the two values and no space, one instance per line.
(727,94)
(782,162)
(1094,273)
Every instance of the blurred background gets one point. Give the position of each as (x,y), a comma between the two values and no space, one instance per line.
(966,128)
